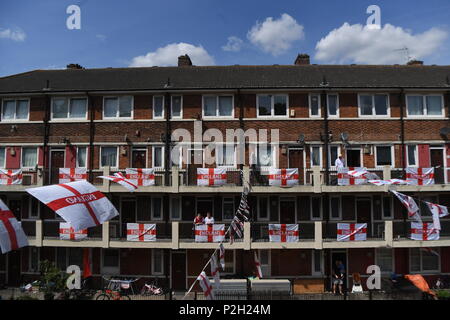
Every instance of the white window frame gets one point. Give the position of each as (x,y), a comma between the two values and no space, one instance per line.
(393,259)
(21,157)
(421,261)
(416,155)
(181,107)
(337,105)
(153,261)
(86,157)
(31,213)
(118,109)
(339,151)
(425,106)
(117,157)
(15,113)
(272,106)
(217,105)
(68,99)
(259,209)
(176,198)
(311,209)
(320,155)
(274,156)
(376,156)
(391,204)
(388,106)
(3,165)
(313,264)
(219,153)
(223,207)
(162,156)
(269,265)
(361,155)
(319,108)
(163,106)
(162,209)
(340,208)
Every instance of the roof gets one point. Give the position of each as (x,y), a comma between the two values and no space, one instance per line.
(229,77)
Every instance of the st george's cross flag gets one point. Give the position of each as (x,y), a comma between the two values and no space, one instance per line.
(8,177)
(420,176)
(356,177)
(215,273)
(78,203)
(351,231)
(66,232)
(424,231)
(257,266)
(209,232)
(72,174)
(12,236)
(389,182)
(222,256)
(283,177)
(211,176)
(122,180)
(437,211)
(140,177)
(141,232)
(410,205)
(206,286)
(283,232)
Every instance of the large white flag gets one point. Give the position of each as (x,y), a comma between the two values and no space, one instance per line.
(12,236)
(283,177)
(211,176)
(122,180)
(410,205)
(78,203)
(141,177)
(424,231)
(206,286)
(8,177)
(437,212)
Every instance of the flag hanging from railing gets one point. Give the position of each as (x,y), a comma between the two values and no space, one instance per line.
(12,236)
(8,177)
(122,180)
(141,177)
(351,231)
(389,182)
(424,231)
(283,232)
(410,205)
(209,232)
(420,176)
(66,232)
(72,174)
(283,177)
(141,232)
(211,176)
(348,176)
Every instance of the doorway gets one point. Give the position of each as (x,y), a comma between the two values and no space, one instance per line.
(178,268)
(287,210)
(139,158)
(14,263)
(353,157)
(205,205)
(364,213)
(295,160)
(437,161)
(127,213)
(339,255)
(56,162)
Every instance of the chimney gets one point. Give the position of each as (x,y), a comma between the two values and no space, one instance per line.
(74,66)
(302,59)
(415,63)
(184,61)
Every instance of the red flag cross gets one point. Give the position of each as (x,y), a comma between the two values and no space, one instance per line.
(283,233)
(209,288)
(120,177)
(5,215)
(344,175)
(141,232)
(420,176)
(351,232)
(10,177)
(140,176)
(77,198)
(283,176)
(209,232)
(211,176)
(72,232)
(424,231)
(72,176)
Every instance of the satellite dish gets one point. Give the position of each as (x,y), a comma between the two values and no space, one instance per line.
(344,136)
(301,138)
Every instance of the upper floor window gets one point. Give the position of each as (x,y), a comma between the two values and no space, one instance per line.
(157,158)
(272,105)
(384,156)
(333,105)
(108,157)
(373,105)
(228,208)
(335,208)
(118,107)
(177,106)
(314,105)
(69,108)
(29,157)
(385,259)
(225,155)
(158,107)
(15,110)
(424,105)
(316,158)
(265,156)
(2,157)
(81,157)
(423,261)
(412,155)
(214,106)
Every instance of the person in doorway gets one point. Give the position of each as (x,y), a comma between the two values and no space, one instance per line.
(209,218)
(339,163)
(199,219)
(338,277)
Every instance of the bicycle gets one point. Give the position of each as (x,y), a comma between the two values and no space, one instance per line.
(109,294)
(151,289)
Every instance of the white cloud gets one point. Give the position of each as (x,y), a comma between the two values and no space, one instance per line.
(168,56)
(234,44)
(276,36)
(360,44)
(15,35)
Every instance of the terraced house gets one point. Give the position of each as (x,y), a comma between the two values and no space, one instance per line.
(385,118)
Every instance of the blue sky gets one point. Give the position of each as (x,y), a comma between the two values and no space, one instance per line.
(33,34)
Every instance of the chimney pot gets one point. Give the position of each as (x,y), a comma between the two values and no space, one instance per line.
(415,63)
(302,59)
(184,61)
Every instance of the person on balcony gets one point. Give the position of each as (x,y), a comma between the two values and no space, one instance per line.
(338,277)
(209,218)
(339,163)
(199,219)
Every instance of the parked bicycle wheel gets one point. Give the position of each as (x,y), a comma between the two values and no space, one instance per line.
(103,297)
(125,297)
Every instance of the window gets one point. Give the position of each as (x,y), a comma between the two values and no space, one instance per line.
(334,153)
(158,107)
(333,105)
(81,157)
(175,208)
(2,157)
(314,105)
(264,260)
(317,262)
(412,155)
(156,208)
(69,108)
(214,106)
(177,109)
(422,261)
(373,105)
(229,261)
(33,264)
(424,105)
(15,110)
(29,157)
(157,158)
(315,156)
(387,207)
(272,105)
(265,155)
(33,207)
(335,208)
(228,208)
(108,157)
(384,155)
(263,209)
(111,258)
(157,261)
(117,107)
(225,155)
(385,259)
(316,208)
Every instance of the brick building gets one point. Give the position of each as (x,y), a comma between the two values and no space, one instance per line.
(385,118)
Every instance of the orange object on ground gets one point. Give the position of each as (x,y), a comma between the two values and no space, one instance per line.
(420,283)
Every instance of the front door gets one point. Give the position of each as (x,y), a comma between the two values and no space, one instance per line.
(364,213)
(139,158)
(339,256)
(57,161)
(127,214)
(353,157)
(178,267)
(287,210)
(296,161)
(14,263)
(437,161)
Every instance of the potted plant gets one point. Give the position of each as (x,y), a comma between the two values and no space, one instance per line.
(53,280)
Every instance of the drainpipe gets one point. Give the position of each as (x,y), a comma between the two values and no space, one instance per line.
(46,156)
(241,121)
(324,102)
(91,137)
(403,151)
(167,109)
